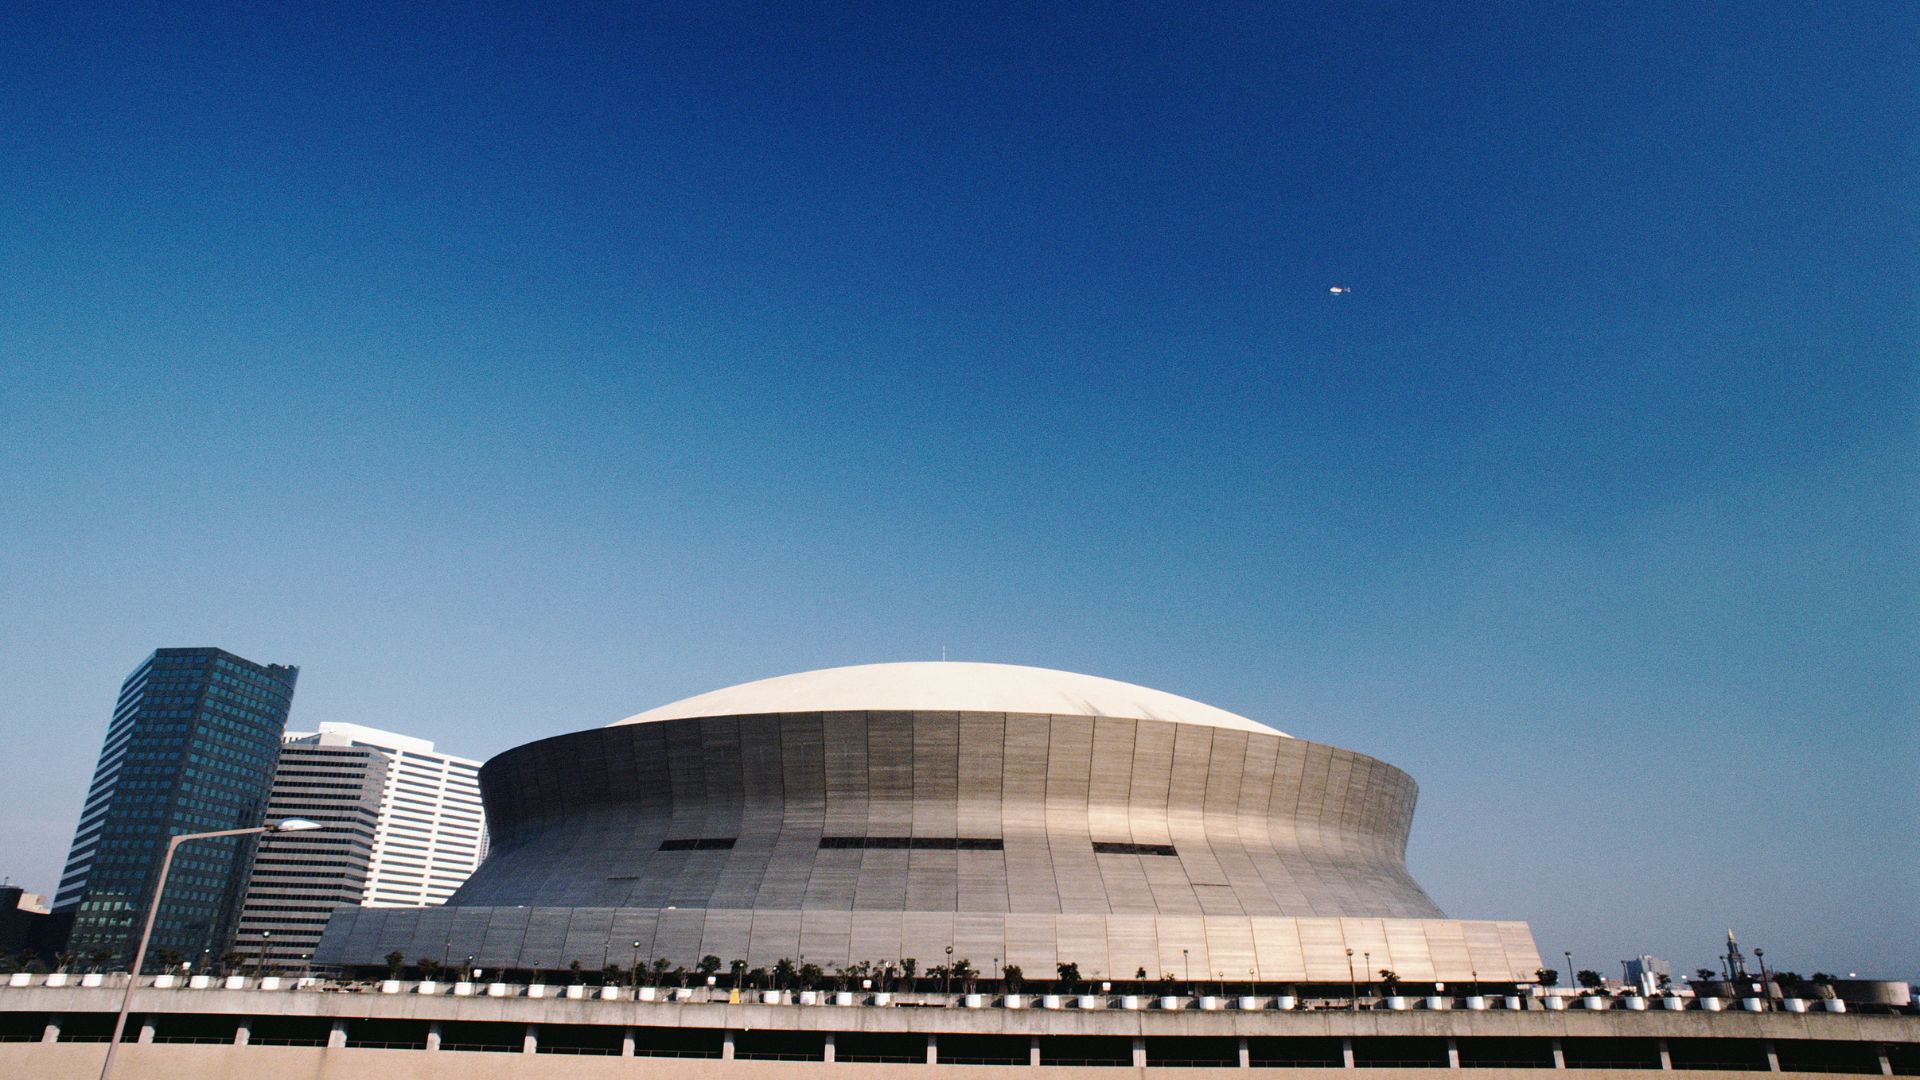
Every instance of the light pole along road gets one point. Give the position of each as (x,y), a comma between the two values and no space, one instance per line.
(153,909)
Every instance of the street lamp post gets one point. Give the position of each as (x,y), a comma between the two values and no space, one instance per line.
(153,911)
(1353,985)
(1570,978)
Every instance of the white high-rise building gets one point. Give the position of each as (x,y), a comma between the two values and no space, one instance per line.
(432,832)
(403,828)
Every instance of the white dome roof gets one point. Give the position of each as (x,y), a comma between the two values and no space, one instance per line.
(941,686)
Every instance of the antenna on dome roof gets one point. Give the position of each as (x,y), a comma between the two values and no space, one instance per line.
(943,654)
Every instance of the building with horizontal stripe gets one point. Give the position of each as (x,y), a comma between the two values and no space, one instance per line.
(947,812)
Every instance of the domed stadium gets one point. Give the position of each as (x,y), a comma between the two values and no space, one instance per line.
(990,813)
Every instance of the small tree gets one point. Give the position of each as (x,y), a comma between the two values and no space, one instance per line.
(1706,974)
(428,966)
(738,971)
(908,965)
(100,957)
(169,958)
(611,975)
(1390,979)
(783,973)
(1589,979)
(1014,977)
(395,961)
(1140,973)
(1069,974)
(809,975)
(1547,976)
(573,970)
(709,965)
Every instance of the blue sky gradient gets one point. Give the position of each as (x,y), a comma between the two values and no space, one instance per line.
(512,372)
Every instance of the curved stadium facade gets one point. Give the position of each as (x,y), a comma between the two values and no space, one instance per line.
(943,812)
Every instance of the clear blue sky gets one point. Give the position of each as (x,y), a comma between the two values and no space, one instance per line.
(515,373)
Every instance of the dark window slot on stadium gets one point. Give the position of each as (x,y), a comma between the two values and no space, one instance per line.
(915,843)
(709,843)
(1102,847)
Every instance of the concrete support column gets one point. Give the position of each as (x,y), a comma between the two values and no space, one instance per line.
(626,1042)
(726,1046)
(433,1034)
(337,1038)
(530,1043)
(1773,1057)
(1139,1051)
(1453,1053)
(1886,1063)
(52,1031)
(1559,1055)
(1033,1050)
(1346,1053)
(1666,1059)
(827,1050)
(1246,1056)
(933,1049)
(243,1031)
(146,1031)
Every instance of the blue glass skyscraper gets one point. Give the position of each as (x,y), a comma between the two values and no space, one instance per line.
(191,748)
